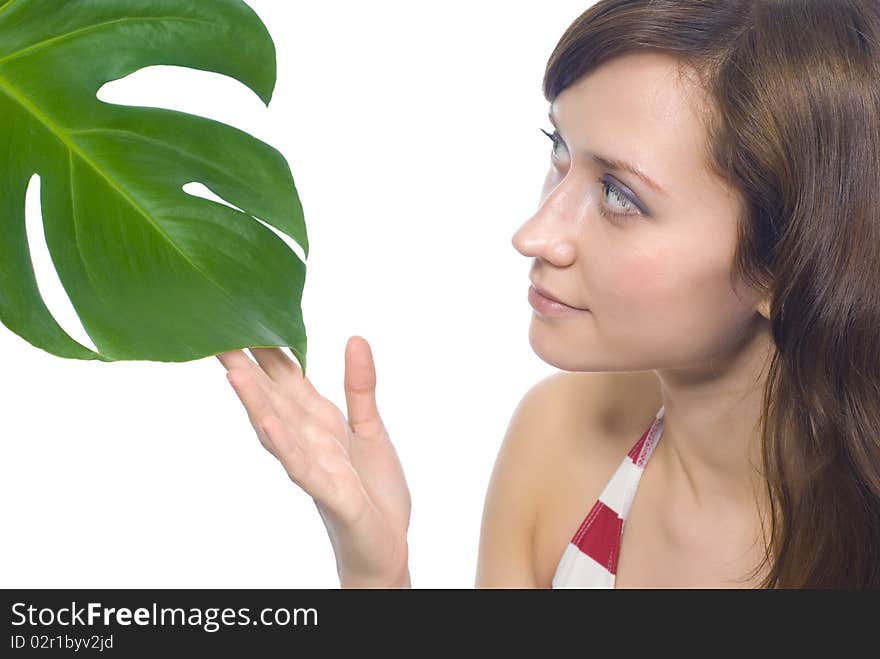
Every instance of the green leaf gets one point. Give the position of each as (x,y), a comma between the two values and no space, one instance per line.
(153,273)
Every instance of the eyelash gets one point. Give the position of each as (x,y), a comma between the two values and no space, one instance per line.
(618,217)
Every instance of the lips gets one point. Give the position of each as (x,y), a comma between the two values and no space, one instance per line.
(550,296)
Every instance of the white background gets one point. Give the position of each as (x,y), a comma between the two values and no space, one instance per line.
(412,132)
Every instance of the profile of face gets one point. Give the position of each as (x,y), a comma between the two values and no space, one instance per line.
(652,266)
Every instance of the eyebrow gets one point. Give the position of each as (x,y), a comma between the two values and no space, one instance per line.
(620,165)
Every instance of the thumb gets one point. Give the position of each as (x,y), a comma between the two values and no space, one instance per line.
(360,387)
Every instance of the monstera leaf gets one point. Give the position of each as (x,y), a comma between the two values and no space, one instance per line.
(153,272)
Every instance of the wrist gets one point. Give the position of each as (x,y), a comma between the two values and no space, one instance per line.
(400,579)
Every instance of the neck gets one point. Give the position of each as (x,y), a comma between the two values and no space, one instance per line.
(710,443)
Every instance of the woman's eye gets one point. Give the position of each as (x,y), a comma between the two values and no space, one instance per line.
(606,186)
(554,137)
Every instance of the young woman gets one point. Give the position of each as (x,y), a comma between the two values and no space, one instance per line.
(710,229)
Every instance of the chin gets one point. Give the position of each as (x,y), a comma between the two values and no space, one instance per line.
(555,350)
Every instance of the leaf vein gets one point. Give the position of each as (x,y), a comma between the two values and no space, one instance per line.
(147,138)
(10,91)
(89,28)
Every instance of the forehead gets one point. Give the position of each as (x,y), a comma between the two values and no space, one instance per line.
(639,108)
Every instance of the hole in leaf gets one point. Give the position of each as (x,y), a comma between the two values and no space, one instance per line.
(48,282)
(203,93)
(197,189)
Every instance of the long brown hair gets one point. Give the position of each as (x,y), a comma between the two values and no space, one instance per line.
(793,122)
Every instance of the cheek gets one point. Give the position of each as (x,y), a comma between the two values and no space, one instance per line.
(677,299)
(684,272)
(638,283)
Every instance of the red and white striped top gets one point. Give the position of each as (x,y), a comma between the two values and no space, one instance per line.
(590,559)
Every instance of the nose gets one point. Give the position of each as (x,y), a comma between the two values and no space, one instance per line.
(550,232)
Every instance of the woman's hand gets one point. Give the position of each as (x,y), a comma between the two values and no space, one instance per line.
(348,466)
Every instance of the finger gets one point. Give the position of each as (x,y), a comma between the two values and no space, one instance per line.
(234,359)
(360,386)
(274,362)
(239,361)
(223,359)
(255,400)
(282,368)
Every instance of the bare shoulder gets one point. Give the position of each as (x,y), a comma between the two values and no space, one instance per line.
(560,439)
(605,414)
(506,558)
(592,418)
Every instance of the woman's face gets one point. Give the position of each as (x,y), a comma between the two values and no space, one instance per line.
(656,278)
